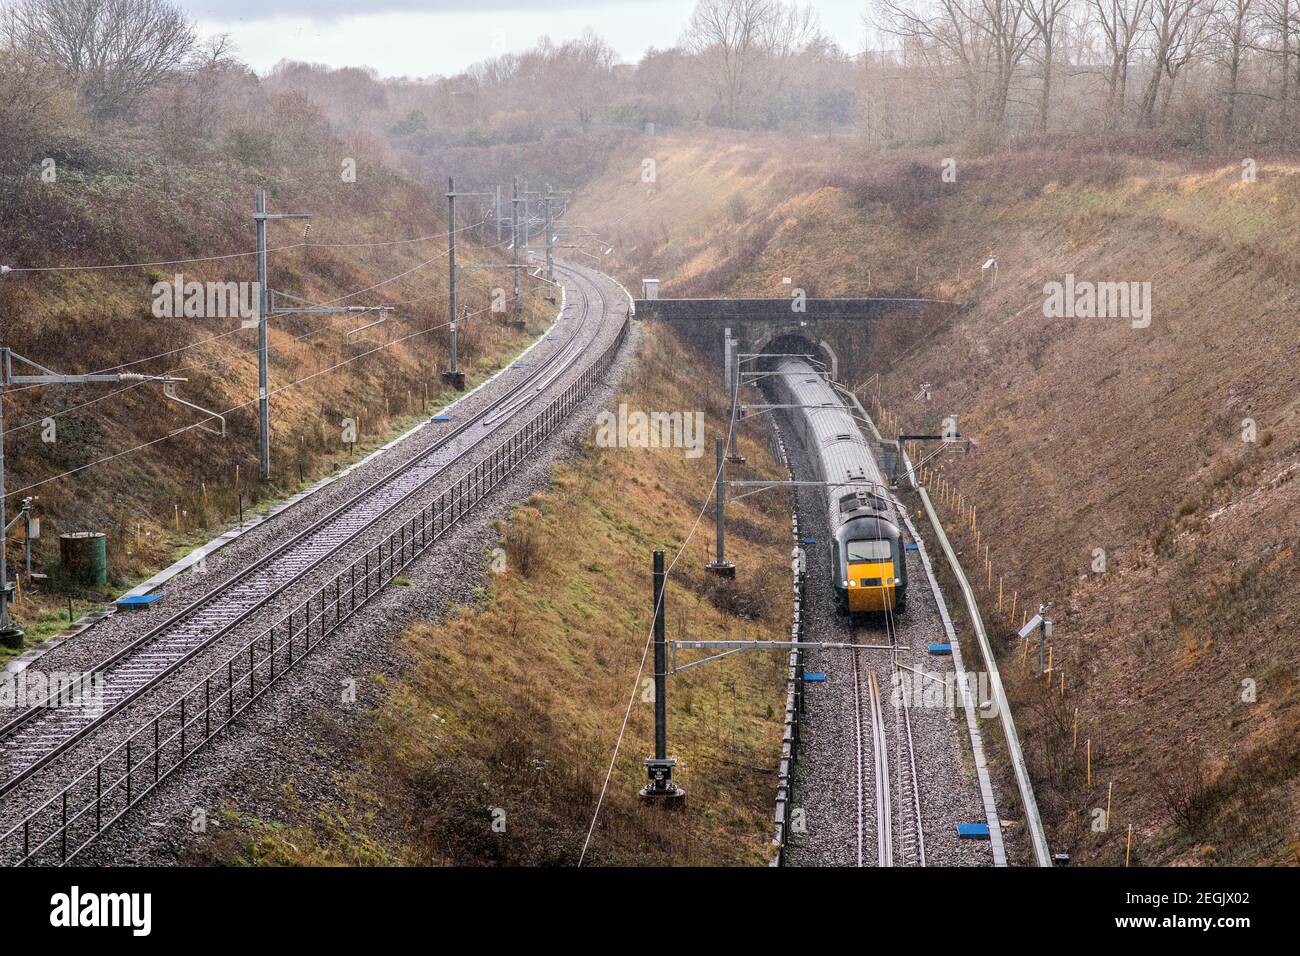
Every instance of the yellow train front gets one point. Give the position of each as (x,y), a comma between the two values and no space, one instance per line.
(869,566)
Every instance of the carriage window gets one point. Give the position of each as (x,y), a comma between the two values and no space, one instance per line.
(873,550)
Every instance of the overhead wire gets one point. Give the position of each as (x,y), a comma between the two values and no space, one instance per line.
(15,270)
(233,408)
(140,361)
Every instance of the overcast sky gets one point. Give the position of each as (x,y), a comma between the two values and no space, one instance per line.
(426,37)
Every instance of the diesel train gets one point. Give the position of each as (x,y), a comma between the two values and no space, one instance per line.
(867,553)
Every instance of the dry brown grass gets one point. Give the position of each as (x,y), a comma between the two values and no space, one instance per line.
(85,321)
(514,705)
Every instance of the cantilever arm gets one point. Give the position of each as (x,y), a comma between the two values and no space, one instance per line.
(169,390)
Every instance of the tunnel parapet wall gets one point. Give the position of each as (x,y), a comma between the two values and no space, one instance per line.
(756,322)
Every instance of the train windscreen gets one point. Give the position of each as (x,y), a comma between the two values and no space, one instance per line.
(876,549)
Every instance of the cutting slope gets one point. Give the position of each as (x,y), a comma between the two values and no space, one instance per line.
(1170,448)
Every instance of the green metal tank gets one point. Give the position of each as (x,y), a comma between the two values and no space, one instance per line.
(84,555)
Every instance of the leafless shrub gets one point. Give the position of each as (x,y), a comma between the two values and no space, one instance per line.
(1187,795)
(523,549)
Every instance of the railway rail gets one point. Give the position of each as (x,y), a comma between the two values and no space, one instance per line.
(896,800)
(62,826)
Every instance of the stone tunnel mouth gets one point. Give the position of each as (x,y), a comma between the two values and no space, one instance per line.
(786,342)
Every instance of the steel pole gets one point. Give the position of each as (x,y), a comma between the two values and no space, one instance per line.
(514,241)
(550,237)
(735,401)
(10,636)
(451,265)
(27,534)
(523,198)
(661,661)
(721,497)
(726,357)
(263,310)
(4,580)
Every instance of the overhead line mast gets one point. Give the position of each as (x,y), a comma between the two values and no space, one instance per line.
(10,635)
(265,310)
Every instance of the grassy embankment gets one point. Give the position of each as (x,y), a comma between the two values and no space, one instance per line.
(515,703)
(133,206)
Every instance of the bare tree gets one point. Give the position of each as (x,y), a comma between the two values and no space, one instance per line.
(1121,22)
(1233,25)
(748,42)
(1045,17)
(114,51)
(1276,26)
(1177,28)
(1009,34)
(982,43)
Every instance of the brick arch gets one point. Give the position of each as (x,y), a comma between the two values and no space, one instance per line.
(771,334)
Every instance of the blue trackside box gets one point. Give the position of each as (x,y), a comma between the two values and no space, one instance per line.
(440,418)
(813,677)
(911,546)
(807,540)
(137,603)
(940,648)
(972,831)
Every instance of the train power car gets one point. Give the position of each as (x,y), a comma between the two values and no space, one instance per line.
(867,555)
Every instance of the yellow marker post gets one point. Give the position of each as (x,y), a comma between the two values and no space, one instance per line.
(1110,791)
(1128,850)
(999,594)
(178,517)
(1014,595)
(1075,745)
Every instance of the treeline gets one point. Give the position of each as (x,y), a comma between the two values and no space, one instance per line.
(1182,72)
(740,63)
(111,92)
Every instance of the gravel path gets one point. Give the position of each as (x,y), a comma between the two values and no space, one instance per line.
(825,786)
(305,716)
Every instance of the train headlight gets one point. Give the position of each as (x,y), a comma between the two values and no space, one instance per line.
(846,584)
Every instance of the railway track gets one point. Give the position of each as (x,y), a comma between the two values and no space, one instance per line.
(880,752)
(38,737)
(896,801)
(858,740)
